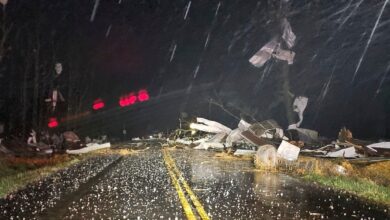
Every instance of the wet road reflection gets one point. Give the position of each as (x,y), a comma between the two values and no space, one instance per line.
(139,187)
(231,189)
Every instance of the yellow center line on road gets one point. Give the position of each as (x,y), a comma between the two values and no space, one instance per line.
(185,204)
(198,205)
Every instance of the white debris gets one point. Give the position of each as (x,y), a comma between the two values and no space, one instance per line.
(32,140)
(243,152)
(218,138)
(205,128)
(233,137)
(265,157)
(206,145)
(183,141)
(58,68)
(285,55)
(381,145)
(341,170)
(288,151)
(264,54)
(270,134)
(243,125)
(90,147)
(210,126)
(349,152)
(55,95)
(299,107)
(214,124)
(288,35)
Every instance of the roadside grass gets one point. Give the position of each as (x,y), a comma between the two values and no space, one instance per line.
(15,173)
(368,181)
(360,187)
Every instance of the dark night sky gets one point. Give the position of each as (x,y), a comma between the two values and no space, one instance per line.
(331,37)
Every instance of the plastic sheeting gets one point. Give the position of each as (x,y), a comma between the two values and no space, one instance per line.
(299,107)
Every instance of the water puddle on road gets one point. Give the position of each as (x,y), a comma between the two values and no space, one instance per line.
(232,189)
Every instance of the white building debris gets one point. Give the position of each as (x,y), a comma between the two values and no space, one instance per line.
(288,151)
(288,35)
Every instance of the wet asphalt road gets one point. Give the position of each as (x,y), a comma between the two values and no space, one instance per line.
(141,186)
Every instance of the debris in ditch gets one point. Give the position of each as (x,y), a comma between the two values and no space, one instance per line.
(262,133)
(288,151)
(381,148)
(208,145)
(244,152)
(349,152)
(234,137)
(265,157)
(209,126)
(90,147)
(303,135)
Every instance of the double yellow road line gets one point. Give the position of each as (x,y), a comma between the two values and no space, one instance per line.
(177,178)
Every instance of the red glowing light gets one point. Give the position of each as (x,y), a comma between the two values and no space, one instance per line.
(143,95)
(52,123)
(122,102)
(132,99)
(98,104)
(128,100)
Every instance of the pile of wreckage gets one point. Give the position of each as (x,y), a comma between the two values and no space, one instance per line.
(68,142)
(268,142)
